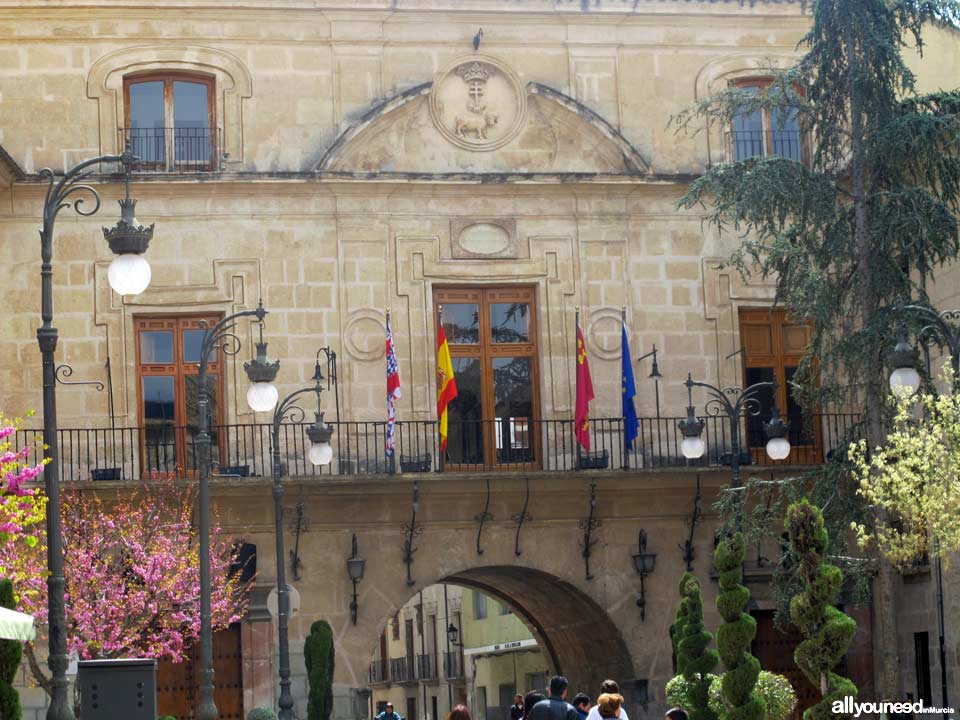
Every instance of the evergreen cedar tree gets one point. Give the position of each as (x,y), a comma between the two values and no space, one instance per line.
(826,630)
(850,234)
(318,654)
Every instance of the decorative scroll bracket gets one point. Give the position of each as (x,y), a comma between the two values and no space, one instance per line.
(411,530)
(687,547)
(483,518)
(64,371)
(298,524)
(520,518)
(588,526)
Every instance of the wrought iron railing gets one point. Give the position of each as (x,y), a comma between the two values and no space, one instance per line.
(411,669)
(426,667)
(403,670)
(173,149)
(504,445)
(755,143)
(379,671)
(452,665)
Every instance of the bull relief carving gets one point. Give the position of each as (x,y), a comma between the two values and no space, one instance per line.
(478,103)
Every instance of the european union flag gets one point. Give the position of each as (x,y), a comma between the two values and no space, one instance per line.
(627,391)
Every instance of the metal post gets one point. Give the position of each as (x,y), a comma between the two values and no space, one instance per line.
(215,339)
(446,665)
(47,335)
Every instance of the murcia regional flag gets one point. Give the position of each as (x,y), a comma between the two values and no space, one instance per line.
(446,384)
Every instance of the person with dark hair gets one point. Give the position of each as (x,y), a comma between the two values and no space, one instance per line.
(516,710)
(676,714)
(459,712)
(531,699)
(581,701)
(608,687)
(388,713)
(555,707)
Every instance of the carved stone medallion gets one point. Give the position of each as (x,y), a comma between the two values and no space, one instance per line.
(478,103)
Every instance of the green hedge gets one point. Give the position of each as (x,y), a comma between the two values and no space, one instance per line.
(318,655)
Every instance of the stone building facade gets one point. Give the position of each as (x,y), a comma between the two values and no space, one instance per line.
(511,160)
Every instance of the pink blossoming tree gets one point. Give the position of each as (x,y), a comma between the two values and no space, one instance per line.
(131,563)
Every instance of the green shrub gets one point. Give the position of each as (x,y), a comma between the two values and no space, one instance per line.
(827,632)
(775,691)
(318,654)
(694,660)
(262,713)
(11,652)
(734,636)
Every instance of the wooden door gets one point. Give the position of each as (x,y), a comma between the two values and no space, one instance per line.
(774,649)
(177,683)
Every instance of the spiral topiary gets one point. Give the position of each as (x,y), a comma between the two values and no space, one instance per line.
(775,690)
(736,634)
(827,632)
(694,660)
(676,629)
(318,656)
(11,651)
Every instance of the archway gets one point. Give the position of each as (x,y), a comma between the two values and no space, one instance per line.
(567,632)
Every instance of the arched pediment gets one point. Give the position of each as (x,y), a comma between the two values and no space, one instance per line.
(424,132)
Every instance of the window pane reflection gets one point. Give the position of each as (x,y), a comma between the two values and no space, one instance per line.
(755,434)
(510,322)
(147,121)
(513,408)
(192,342)
(191,386)
(158,421)
(465,429)
(191,122)
(156,346)
(461,324)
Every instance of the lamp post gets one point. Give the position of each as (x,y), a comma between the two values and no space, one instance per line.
(320,453)
(734,403)
(261,397)
(129,273)
(906,379)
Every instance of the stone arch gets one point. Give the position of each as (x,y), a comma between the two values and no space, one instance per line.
(397,137)
(578,637)
(233,83)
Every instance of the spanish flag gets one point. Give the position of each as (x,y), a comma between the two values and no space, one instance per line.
(446,384)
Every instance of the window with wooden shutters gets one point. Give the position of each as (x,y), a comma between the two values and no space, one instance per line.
(168,353)
(492,336)
(773,344)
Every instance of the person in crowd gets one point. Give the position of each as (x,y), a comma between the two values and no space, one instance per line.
(581,701)
(609,705)
(389,714)
(459,712)
(531,699)
(676,714)
(555,707)
(608,687)
(516,710)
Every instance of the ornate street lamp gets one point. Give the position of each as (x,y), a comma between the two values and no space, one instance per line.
(355,568)
(904,379)
(643,563)
(452,634)
(129,274)
(734,403)
(220,337)
(261,373)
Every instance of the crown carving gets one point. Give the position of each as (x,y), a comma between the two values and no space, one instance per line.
(474,72)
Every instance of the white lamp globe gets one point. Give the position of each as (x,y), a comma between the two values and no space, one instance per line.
(778,448)
(129,274)
(262,396)
(904,381)
(320,453)
(693,447)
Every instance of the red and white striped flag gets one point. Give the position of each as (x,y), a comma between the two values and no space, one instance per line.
(393,387)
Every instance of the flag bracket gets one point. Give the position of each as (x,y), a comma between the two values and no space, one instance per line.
(687,547)
(411,530)
(588,526)
(520,518)
(482,518)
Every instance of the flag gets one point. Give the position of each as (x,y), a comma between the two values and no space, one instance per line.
(627,392)
(393,387)
(584,393)
(446,384)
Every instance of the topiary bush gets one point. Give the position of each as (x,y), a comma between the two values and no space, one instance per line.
(734,636)
(262,713)
(11,652)
(827,632)
(318,655)
(694,660)
(777,694)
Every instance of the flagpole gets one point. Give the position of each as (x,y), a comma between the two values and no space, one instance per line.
(442,459)
(626,452)
(576,369)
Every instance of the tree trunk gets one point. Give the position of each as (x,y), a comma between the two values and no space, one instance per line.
(887,660)
(41,679)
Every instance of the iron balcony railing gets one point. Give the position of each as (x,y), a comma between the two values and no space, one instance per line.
(406,669)
(379,672)
(452,665)
(173,149)
(755,143)
(502,445)
(403,670)
(426,667)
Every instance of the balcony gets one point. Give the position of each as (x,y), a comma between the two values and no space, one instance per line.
(757,143)
(453,666)
(173,149)
(519,444)
(379,673)
(403,670)
(426,668)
